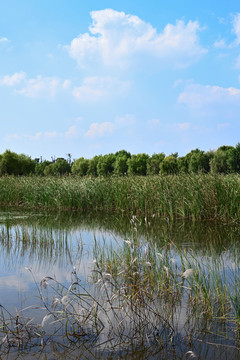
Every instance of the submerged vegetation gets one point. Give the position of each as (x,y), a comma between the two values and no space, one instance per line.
(166,299)
(205,196)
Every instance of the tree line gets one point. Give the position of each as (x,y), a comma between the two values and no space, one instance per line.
(226,159)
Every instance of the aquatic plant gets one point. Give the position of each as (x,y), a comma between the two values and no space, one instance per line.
(139,296)
(204,196)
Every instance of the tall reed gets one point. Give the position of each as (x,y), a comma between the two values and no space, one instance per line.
(182,196)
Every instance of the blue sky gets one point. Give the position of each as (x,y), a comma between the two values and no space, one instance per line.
(94,77)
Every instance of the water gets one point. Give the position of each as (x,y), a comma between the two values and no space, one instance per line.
(35,245)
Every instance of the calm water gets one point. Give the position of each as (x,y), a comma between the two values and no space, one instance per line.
(33,246)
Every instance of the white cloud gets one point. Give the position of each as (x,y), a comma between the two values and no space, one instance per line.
(223,126)
(39,87)
(183,126)
(4,39)
(10,137)
(95,88)
(177,83)
(12,80)
(211,101)
(50,134)
(117,39)
(238,62)
(196,96)
(72,132)
(79,119)
(66,84)
(222,20)
(99,130)
(36,137)
(153,123)
(15,136)
(236,28)
(220,44)
(125,123)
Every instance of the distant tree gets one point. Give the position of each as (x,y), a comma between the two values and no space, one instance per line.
(195,161)
(9,163)
(199,162)
(105,165)
(225,148)
(59,167)
(233,159)
(220,162)
(187,159)
(40,167)
(153,163)
(169,165)
(120,165)
(210,156)
(62,166)
(123,153)
(49,170)
(137,164)
(175,155)
(80,166)
(14,164)
(183,164)
(92,167)
(27,165)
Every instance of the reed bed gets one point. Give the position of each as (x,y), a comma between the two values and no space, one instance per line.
(206,196)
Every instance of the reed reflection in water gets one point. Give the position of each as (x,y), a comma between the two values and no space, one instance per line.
(126,257)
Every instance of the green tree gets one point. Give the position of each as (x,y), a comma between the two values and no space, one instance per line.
(123,153)
(137,164)
(153,163)
(92,167)
(49,170)
(14,164)
(40,167)
(233,159)
(120,165)
(62,166)
(183,164)
(105,165)
(80,167)
(220,162)
(199,162)
(169,165)
(59,167)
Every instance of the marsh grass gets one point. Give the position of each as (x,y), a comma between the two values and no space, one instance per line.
(107,320)
(182,196)
(142,294)
(203,288)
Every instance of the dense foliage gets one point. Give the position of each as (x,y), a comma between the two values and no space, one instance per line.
(225,160)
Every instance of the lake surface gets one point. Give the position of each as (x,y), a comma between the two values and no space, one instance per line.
(66,247)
